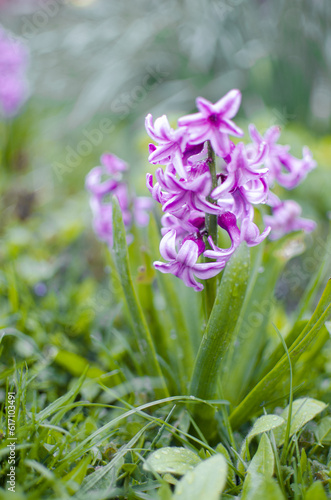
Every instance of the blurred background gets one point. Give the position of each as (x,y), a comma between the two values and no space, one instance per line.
(96,68)
(102,58)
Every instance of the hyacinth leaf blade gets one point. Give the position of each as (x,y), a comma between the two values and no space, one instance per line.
(139,324)
(251,328)
(265,389)
(220,329)
(184,347)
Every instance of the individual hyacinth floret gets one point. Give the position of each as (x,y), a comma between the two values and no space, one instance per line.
(13,65)
(191,191)
(107,180)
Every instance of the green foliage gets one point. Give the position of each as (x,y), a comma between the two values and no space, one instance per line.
(100,351)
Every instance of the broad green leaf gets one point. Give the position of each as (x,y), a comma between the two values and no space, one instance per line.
(258,487)
(263,424)
(324,430)
(265,389)
(220,327)
(263,461)
(250,334)
(140,328)
(303,410)
(171,459)
(207,480)
(316,492)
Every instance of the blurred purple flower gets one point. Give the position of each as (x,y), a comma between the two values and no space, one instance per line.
(183,263)
(284,168)
(286,218)
(213,122)
(141,208)
(13,64)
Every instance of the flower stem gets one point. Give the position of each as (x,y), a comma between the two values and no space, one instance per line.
(211,227)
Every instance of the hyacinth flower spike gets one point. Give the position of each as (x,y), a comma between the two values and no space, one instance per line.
(213,122)
(183,263)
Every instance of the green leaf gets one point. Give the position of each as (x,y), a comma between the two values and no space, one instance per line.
(243,359)
(207,480)
(316,492)
(171,459)
(265,389)
(263,424)
(303,410)
(258,487)
(263,461)
(140,328)
(220,448)
(220,327)
(324,430)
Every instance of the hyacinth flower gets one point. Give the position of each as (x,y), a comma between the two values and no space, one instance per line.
(107,180)
(13,66)
(248,232)
(183,263)
(205,186)
(171,144)
(213,122)
(284,168)
(196,198)
(286,218)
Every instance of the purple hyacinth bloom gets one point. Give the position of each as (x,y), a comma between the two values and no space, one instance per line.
(96,185)
(13,64)
(284,168)
(171,143)
(183,263)
(112,164)
(213,122)
(248,232)
(243,175)
(103,180)
(286,218)
(296,170)
(102,213)
(186,222)
(191,192)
